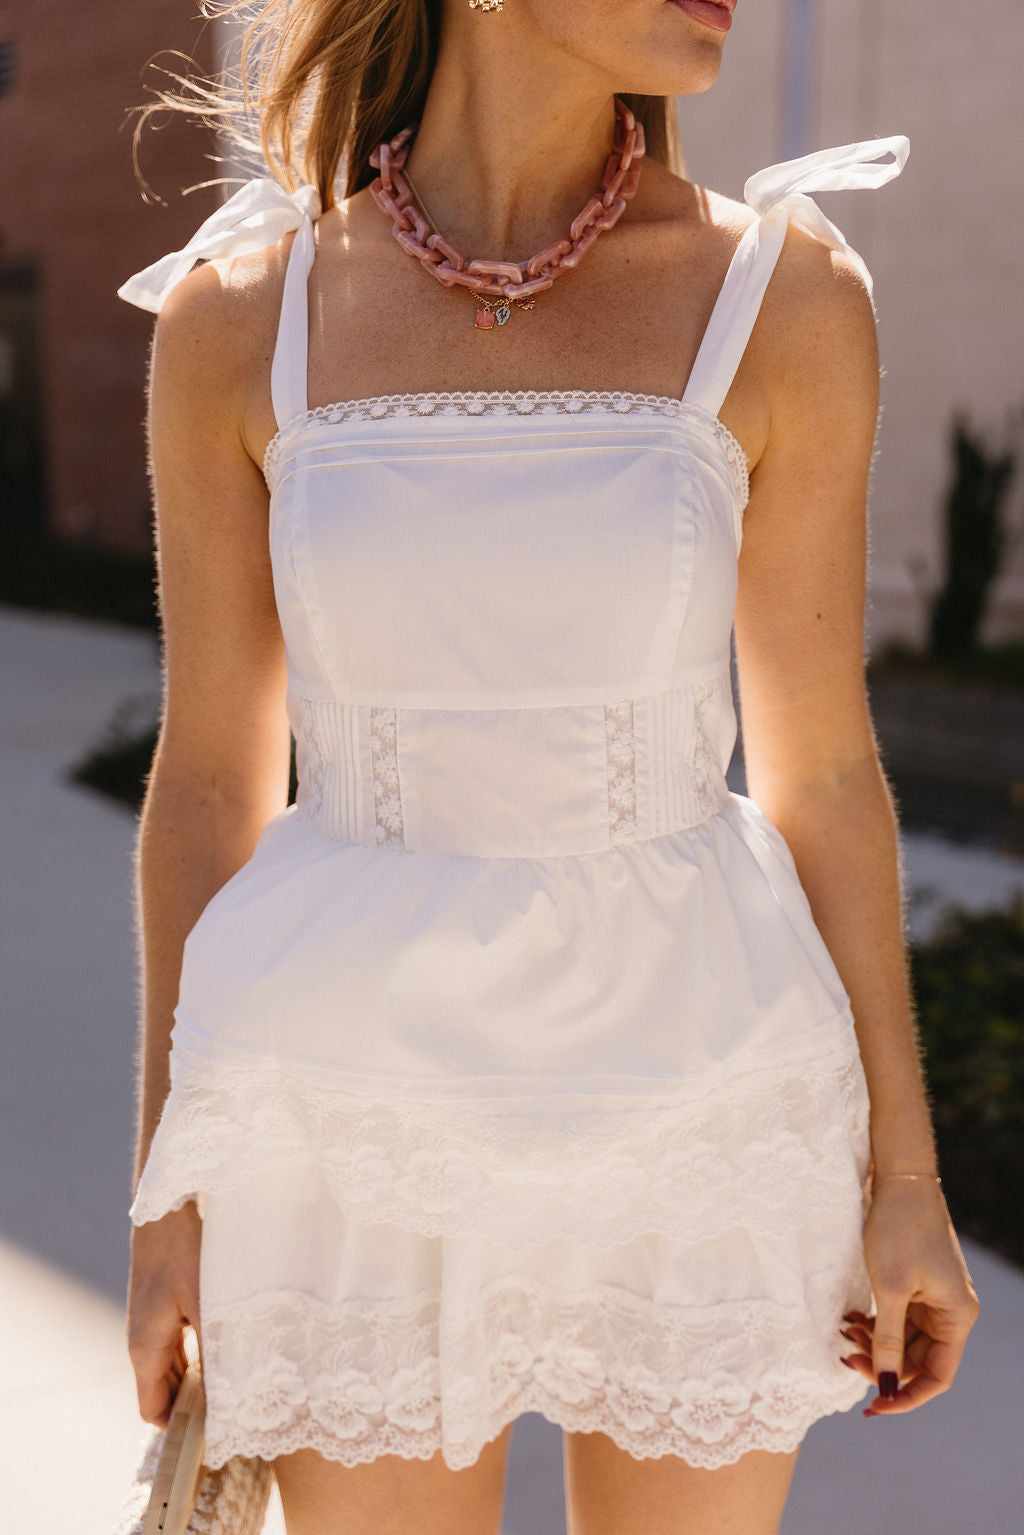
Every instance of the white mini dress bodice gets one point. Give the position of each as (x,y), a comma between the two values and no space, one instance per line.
(509,636)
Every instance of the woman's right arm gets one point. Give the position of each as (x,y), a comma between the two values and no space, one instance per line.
(220,771)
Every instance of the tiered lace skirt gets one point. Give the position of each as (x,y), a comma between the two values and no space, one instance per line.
(582,1135)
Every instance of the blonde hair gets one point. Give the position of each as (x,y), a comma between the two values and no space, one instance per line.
(319,82)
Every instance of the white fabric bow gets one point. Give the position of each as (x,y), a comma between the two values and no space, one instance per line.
(781,190)
(255,216)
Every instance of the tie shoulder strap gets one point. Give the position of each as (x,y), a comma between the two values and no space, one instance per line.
(780,195)
(781,192)
(257,215)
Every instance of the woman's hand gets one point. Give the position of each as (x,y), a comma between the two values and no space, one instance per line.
(926,1303)
(163,1299)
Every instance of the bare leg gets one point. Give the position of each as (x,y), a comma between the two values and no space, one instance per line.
(609,1492)
(392,1496)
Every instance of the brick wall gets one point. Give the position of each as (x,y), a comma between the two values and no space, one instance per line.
(71,208)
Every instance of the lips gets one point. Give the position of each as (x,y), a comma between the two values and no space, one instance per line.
(716,14)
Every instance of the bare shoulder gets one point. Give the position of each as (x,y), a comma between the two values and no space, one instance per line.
(214,337)
(814,352)
(817,296)
(817,326)
(228,299)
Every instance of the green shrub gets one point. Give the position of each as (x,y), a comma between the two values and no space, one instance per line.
(975,539)
(969,984)
(120,764)
(998,666)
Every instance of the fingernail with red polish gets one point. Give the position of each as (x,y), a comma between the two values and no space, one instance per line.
(888,1384)
(847,1363)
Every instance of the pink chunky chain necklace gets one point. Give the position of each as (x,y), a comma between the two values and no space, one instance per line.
(511,283)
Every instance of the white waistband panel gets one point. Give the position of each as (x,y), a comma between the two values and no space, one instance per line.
(537,782)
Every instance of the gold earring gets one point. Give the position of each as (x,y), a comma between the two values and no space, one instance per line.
(485,5)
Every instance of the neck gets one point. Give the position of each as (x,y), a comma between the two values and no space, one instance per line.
(513,138)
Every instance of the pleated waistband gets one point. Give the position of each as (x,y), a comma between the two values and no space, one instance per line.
(521,782)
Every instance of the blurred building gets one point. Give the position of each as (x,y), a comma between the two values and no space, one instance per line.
(943,241)
(73,226)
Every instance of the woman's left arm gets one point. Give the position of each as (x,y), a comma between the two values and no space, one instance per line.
(812,765)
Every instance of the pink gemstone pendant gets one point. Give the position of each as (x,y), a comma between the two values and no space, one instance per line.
(485,319)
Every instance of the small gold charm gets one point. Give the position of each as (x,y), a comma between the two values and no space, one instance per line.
(485,5)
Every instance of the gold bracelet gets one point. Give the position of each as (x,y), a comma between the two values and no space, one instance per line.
(924,1177)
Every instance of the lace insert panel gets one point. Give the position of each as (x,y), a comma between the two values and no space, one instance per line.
(387,789)
(310,758)
(621,744)
(706,772)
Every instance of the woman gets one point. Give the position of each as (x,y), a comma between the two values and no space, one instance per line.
(521,1065)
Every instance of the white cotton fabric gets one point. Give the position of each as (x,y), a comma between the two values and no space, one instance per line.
(512,1072)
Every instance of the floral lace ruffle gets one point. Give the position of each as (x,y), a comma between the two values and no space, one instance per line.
(406,1377)
(759,1148)
(524,402)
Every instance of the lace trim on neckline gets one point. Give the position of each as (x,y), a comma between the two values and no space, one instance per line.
(519,402)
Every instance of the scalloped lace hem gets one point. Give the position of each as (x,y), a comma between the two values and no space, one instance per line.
(759,1147)
(518,402)
(363,1378)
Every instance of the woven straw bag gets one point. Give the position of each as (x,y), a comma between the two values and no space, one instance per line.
(175,1494)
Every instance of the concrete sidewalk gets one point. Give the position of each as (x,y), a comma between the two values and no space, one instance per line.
(67,1424)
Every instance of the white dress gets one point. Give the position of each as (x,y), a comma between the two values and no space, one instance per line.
(511,1072)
